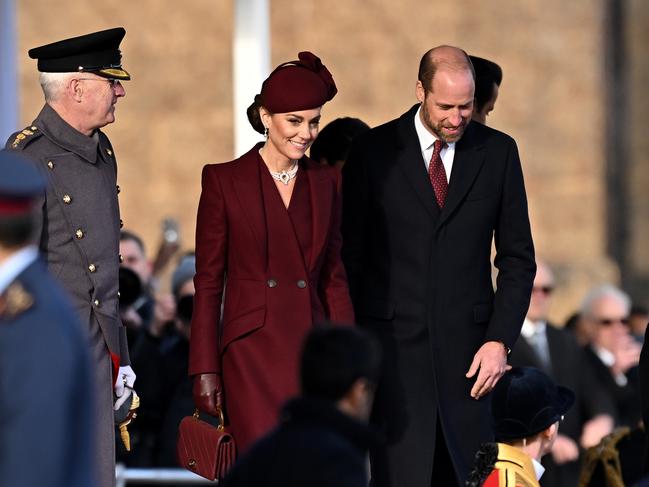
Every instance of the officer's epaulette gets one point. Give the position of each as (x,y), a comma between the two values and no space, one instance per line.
(15,301)
(25,136)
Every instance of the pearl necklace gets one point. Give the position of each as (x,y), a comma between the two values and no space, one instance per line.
(285,176)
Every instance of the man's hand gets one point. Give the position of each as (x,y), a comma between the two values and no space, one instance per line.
(208,393)
(123,385)
(564,450)
(491,361)
(596,429)
(627,354)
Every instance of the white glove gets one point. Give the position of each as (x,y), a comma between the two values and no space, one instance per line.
(124,385)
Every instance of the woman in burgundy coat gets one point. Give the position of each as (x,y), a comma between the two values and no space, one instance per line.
(267,249)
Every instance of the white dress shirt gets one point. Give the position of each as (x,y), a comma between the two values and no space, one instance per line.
(539,469)
(427,140)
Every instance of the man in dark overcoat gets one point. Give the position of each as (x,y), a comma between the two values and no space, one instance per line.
(79,235)
(46,398)
(425,196)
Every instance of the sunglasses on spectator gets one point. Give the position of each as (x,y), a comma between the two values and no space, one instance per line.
(610,321)
(547,290)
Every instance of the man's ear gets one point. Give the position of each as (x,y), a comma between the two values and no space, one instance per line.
(74,89)
(420,92)
(550,431)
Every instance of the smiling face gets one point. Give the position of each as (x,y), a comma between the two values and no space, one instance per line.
(290,134)
(446,108)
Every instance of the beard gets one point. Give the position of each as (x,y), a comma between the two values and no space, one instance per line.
(437,128)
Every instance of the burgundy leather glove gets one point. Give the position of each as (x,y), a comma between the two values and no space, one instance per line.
(208,393)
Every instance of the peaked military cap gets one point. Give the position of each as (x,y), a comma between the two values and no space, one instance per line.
(96,53)
(20,184)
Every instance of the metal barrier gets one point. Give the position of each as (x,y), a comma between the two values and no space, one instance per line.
(157,476)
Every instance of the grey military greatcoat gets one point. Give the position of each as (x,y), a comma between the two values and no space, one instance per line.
(80,232)
(80,242)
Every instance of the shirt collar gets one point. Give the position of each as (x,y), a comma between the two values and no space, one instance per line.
(530,328)
(539,469)
(604,355)
(15,264)
(426,139)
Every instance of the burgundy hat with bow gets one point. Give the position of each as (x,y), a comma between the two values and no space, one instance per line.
(298,85)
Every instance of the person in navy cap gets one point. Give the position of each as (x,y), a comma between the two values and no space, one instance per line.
(526,409)
(270,220)
(82,79)
(46,393)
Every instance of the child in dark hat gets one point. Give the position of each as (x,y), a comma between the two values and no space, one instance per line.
(526,408)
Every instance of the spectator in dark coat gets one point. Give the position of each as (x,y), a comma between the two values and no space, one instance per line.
(556,352)
(613,353)
(323,438)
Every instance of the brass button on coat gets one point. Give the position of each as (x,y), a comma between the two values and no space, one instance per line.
(67,199)
(79,234)
(121,258)
(301,283)
(96,303)
(92,268)
(271,283)
(109,152)
(50,164)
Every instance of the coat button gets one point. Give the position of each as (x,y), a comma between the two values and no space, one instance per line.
(119,295)
(79,234)
(301,283)
(96,303)
(92,268)
(50,164)
(67,199)
(121,258)
(109,152)
(271,283)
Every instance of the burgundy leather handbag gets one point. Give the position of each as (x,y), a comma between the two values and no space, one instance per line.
(204,449)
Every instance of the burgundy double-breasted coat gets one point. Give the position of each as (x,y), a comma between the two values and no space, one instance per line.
(265,275)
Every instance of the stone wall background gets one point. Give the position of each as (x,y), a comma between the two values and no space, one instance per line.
(178,109)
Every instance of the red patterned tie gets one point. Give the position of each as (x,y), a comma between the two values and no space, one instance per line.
(437,174)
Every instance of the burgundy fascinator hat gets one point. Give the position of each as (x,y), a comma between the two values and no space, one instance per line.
(298,85)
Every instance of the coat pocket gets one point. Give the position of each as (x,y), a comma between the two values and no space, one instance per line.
(242,325)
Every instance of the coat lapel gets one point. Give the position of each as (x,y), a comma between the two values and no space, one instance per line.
(248,191)
(469,158)
(321,206)
(411,163)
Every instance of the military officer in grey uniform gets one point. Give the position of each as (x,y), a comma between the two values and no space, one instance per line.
(46,391)
(82,79)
